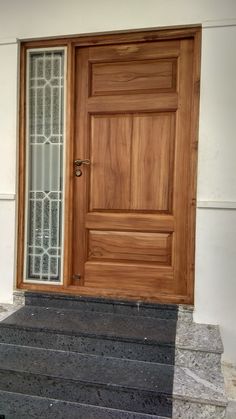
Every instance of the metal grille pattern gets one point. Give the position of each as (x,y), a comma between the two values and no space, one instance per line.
(45,165)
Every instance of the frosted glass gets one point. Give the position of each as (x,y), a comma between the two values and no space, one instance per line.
(45,142)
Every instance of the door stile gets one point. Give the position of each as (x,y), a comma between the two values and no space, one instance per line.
(193,165)
(182,177)
(68,172)
(81,151)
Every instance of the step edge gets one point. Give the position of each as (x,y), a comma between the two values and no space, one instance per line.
(86,334)
(119,301)
(211,401)
(93,383)
(220,401)
(175,344)
(109,409)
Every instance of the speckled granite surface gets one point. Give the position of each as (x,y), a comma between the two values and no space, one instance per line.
(196,392)
(7,309)
(203,337)
(103,333)
(85,344)
(145,383)
(17,406)
(86,323)
(186,410)
(197,359)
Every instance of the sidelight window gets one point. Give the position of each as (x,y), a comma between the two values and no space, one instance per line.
(45,162)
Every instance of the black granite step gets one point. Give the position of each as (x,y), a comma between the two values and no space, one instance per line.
(91,345)
(20,406)
(143,338)
(102,305)
(132,329)
(88,379)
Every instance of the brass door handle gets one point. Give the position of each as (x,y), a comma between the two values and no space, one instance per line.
(78,163)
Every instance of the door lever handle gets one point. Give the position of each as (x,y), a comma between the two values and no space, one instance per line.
(78,163)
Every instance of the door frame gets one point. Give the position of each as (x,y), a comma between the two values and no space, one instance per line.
(71,43)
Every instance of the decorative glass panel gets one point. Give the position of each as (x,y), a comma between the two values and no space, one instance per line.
(45,144)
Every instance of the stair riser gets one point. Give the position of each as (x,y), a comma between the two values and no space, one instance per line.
(161,311)
(69,390)
(113,348)
(198,360)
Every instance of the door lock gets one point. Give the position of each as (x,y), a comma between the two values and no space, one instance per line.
(78,163)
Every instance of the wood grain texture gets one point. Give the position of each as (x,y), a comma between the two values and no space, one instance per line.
(152,162)
(129,221)
(128,276)
(68,172)
(131,174)
(137,51)
(116,245)
(140,155)
(81,150)
(110,167)
(132,162)
(117,37)
(182,203)
(193,166)
(136,76)
(133,103)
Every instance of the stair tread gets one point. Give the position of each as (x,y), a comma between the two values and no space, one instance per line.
(94,323)
(148,330)
(15,404)
(116,373)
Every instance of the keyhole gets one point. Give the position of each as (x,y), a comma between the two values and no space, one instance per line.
(78,172)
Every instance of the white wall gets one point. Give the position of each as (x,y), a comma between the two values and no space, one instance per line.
(217,146)
(215,290)
(216,227)
(216,238)
(8,132)
(7,245)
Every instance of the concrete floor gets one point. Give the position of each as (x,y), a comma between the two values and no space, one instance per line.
(229,370)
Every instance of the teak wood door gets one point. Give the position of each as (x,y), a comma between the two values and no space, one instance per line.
(132,205)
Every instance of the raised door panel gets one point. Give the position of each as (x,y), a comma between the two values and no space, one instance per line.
(152,162)
(123,246)
(135,51)
(135,277)
(110,162)
(135,76)
(132,162)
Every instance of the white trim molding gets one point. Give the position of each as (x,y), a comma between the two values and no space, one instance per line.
(218,23)
(8,41)
(225,205)
(7,196)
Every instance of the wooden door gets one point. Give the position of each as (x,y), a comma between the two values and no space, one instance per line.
(132,228)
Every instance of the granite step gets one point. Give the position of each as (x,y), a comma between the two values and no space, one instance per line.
(145,338)
(104,305)
(15,406)
(135,386)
